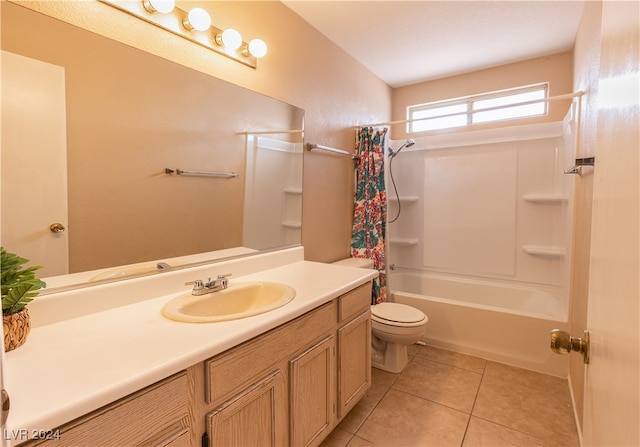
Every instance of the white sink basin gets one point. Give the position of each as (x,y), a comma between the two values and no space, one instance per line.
(239,300)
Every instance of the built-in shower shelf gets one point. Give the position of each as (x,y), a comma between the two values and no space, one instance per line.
(291,224)
(293,191)
(405,199)
(404,241)
(550,199)
(537,250)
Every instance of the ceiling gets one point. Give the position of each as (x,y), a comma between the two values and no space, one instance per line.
(404,42)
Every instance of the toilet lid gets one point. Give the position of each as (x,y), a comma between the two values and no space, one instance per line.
(400,313)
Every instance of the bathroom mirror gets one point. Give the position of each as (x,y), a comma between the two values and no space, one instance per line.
(140,160)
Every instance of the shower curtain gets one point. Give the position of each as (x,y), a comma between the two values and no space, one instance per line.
(370,207)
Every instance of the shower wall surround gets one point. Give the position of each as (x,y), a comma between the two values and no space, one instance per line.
(489,204)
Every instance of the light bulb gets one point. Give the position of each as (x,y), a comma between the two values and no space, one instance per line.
(231,39)
(257,48)
(198,19)
(163,6)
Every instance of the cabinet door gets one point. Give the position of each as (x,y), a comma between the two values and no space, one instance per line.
(354,362)
(313,393)
(256,417)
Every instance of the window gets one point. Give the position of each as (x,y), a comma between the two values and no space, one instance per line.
(487,107)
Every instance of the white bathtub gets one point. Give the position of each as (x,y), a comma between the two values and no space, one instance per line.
(500,321)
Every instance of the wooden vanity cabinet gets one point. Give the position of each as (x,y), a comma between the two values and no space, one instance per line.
(240,377)
(320,363)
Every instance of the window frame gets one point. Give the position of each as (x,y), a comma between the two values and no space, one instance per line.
(470,111)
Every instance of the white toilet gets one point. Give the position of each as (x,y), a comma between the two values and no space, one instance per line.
(394,326)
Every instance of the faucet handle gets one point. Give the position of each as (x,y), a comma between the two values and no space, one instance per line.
(223,280)
(198,284)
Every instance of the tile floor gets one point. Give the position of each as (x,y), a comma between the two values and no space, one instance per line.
(443,398)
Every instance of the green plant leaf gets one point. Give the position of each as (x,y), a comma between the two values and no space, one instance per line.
(19,285)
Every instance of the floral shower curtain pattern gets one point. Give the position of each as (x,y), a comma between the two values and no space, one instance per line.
(370,207)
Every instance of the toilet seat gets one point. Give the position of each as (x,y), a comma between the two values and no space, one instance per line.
(399,315)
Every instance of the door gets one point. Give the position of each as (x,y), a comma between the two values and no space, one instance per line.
(34,160)
(611,411)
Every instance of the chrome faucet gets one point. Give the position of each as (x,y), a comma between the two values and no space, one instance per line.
(201,287)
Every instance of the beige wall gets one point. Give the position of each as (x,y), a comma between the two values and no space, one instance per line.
(586,71)
(302,68)
(556,69)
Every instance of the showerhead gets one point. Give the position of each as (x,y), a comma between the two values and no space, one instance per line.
(407,143)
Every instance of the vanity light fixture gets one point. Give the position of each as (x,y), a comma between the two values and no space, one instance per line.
(230,39)
(195,26)
(256,48)
(162,6)
(197,19)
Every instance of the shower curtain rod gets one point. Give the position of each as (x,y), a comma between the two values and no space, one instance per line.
(469,112)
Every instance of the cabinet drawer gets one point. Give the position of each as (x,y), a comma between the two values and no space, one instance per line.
(228,373)
(133,420)
(353,303)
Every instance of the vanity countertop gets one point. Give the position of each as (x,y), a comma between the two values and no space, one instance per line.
(72,367)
